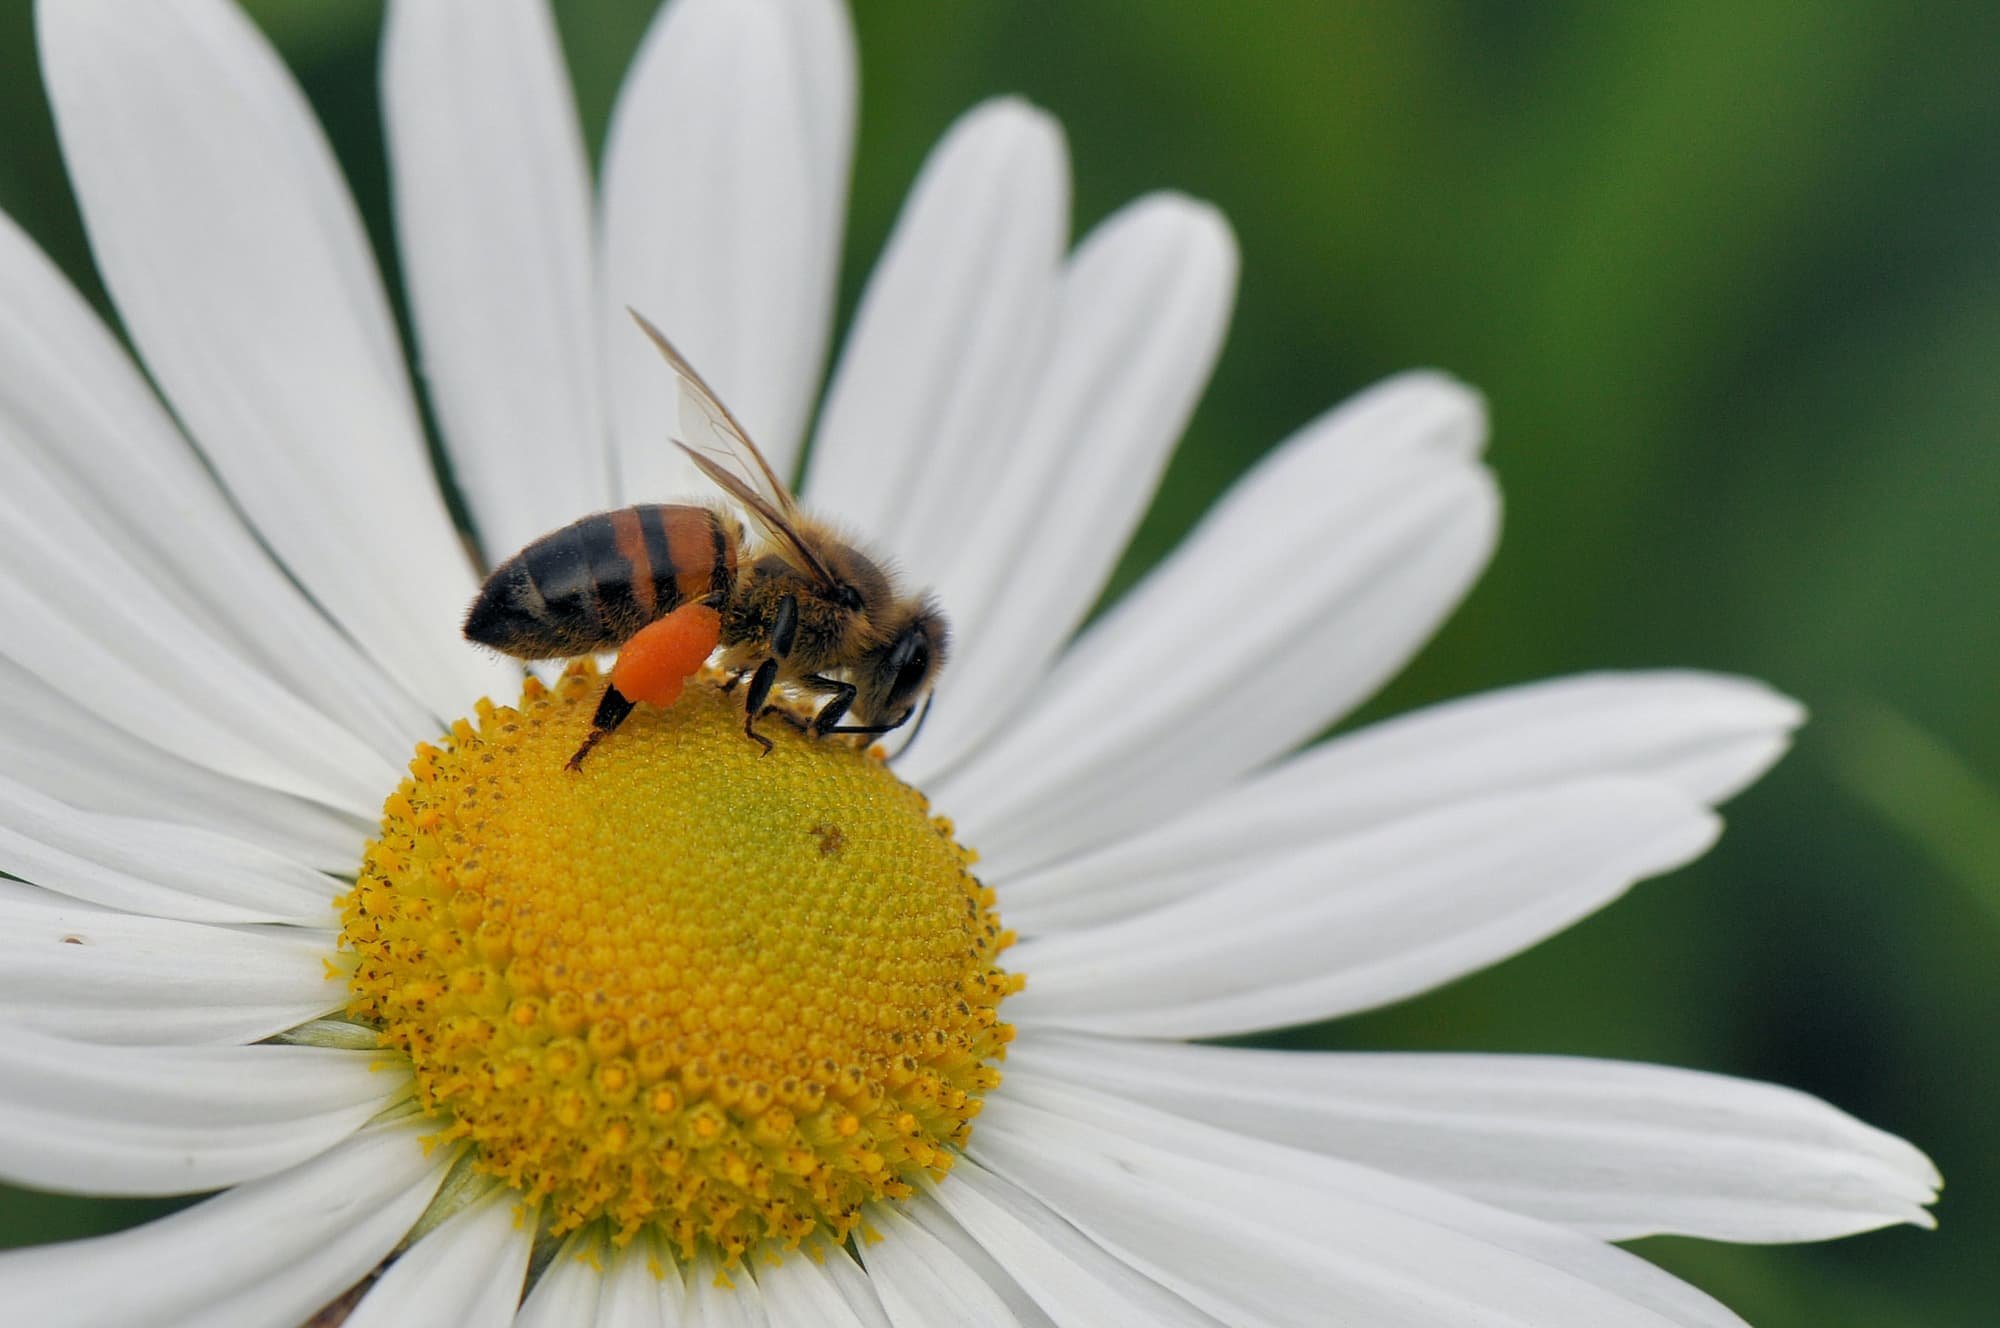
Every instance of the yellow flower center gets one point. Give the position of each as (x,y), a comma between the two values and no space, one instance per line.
(729,996)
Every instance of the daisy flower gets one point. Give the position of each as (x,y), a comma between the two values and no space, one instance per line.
(301,921)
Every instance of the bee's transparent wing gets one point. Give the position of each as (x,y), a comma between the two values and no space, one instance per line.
(718,445)
(708,429)
(775,526)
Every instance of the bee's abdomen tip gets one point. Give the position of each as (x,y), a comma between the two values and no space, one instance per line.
(497,619)
(489,621)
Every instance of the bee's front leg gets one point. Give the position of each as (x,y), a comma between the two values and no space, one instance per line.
(836,706)
(823,727)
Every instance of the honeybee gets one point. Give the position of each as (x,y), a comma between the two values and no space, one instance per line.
(670,585)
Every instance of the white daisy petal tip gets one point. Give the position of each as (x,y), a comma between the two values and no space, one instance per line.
(945,344)
(1305,1239)
(1786,712)
(1748,725)
(1197,234)
(1830,1175)
(1141,307)
(1708,735)
(1742,703)
(1612,1149)
(1420,409)
(1010,121)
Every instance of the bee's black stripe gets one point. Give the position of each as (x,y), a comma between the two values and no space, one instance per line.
(558,566)
(721,576)
(611,577)
(666,588)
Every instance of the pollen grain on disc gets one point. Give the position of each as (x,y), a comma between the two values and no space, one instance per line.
(728,997)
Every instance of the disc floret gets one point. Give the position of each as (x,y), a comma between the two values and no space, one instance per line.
(731,998)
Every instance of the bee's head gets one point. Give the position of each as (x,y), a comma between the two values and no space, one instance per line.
(896,674)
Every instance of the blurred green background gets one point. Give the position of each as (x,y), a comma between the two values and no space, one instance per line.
(1730,276)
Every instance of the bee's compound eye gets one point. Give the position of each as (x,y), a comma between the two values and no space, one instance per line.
(909,664)
(912,672)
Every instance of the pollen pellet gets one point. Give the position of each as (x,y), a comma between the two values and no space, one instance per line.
(649,998)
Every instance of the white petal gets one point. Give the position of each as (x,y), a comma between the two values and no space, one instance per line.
(75,410)
(1257,1233)
(97,975)
(593,1284)
(1366,919)
(154,867)
(271,1252)
(1618,1151)
(465,1274)
(922,1283)
(949,336)
(713,1303)
(1070,1277)
(229,243)
(725,184)
(969,1251)
(803,1293)
(1703,733)
(85,1119)
(62,750)
(493,214)
(1309,584)
(1144,304)
(570,1290)
(1707,734)
(89,624)
(642,1288)
(855,1286)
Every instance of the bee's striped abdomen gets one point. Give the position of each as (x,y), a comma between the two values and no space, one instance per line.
(595,582)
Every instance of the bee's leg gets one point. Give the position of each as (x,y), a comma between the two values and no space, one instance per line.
(836,705)
(784,632)
(753,703)
(735,680)
(890,727)
(829,716)
(784,627)
(653,666)
(611,712)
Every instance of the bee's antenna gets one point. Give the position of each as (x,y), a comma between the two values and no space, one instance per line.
(922,715)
